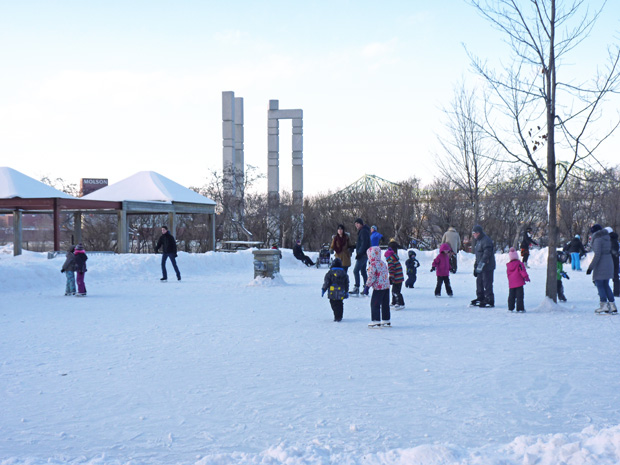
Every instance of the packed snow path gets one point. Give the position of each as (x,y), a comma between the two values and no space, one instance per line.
(221,368)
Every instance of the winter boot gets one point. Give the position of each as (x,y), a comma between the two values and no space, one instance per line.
(474,303)
(612,307)
(355,291)
(604,308)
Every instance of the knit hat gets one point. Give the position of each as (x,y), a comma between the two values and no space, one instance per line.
(609,230)
(477,229)
(80,246)
(512,254)
(337,263)
(359,220)
(373,227)
(596,227)
(578,236)
(411,253)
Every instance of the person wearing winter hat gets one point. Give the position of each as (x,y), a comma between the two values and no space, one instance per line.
(68,268)
(411,268)
(80,269)
(601,268)
(361,258)
(576,250)
(375,236)
(484,268)
(526,243)
(517,277)
(336,284)
(342,246)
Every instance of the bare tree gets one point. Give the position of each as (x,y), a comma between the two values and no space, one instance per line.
(467,160)
(529,107)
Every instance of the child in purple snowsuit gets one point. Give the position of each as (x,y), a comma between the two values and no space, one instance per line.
(517,277)
(441,265)
(80,268)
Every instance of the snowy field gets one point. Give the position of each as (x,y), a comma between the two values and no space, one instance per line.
(223,369)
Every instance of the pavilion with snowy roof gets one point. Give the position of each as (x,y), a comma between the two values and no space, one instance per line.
(148,192)
(145,192)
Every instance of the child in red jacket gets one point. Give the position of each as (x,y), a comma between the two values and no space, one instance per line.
(441,265)
(517,277)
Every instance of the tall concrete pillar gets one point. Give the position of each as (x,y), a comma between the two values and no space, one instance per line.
(273,222)
(228,142)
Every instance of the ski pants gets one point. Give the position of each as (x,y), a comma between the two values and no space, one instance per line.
(484,287)
(604,291)
(397,296)
(616,278)
(411,279)
(516,294)
(380,305)
(338,308)
(360,267)
(70,286)
(173,260)
(81,287)
(575,261)
(443,280)
(561,295)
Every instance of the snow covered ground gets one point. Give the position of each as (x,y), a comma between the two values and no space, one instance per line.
(224,369)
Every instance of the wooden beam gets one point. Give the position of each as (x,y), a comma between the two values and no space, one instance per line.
(17,232)
(56,219)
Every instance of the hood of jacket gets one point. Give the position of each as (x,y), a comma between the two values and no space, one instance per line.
(444,247)
(374,254)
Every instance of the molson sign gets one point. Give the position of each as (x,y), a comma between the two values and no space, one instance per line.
(88,185)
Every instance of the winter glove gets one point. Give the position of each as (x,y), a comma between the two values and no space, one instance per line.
(480,267)
(391,281)
(564,275)
(346,295)
(365,291)
(323,292)
(62,271)
(432,269)
(589,271)
(475,273)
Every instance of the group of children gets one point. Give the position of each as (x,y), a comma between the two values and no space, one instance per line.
(75,264)
(381,275)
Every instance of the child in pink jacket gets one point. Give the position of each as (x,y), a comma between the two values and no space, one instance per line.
(379,280)
(517,277)
(441,265)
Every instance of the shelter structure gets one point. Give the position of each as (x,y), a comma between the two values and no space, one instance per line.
(144,192)
(22,194)
(148,192)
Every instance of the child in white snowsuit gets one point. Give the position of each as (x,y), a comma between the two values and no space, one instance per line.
(68,268)
(336,284)
(411,265)
(379,280)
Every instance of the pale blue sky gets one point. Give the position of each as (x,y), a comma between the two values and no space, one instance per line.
(108,88)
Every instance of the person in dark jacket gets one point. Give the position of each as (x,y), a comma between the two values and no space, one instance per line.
(68,268)
(601,268)
(299,254)
(80,269)
(526,243)
(361,258)
(412,265)
(168,247)
(336,284)
(615,256)
(484,268)
(576,250)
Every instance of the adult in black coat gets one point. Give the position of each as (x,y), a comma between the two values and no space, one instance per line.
(526,243)
(168,245)
(361,259)
(576,250)
(299,254)
(484,268)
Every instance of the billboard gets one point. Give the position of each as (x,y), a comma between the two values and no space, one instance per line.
(88,185)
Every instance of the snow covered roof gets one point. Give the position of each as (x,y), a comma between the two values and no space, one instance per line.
(148,186)
(14,184)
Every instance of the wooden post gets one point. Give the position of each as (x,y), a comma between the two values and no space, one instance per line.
(172,224)
(56,218)
(77,227)
(17,232)
(212,233)
(122,232)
